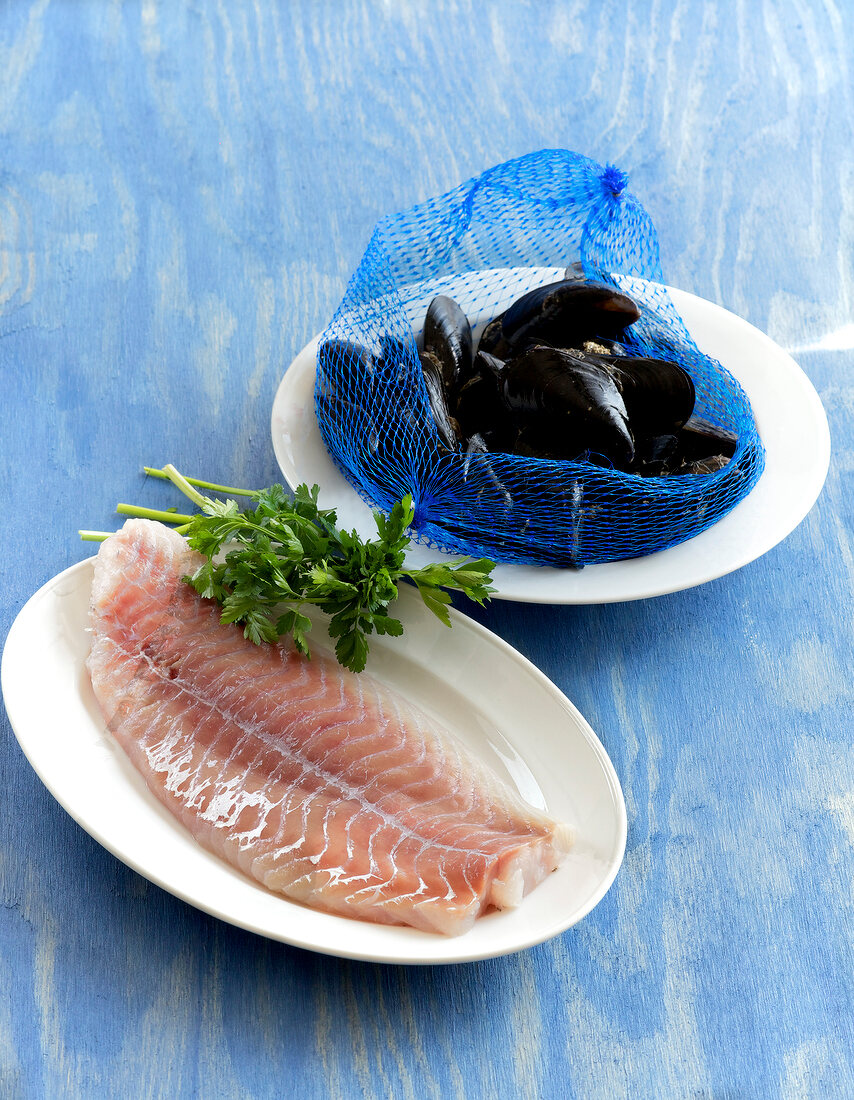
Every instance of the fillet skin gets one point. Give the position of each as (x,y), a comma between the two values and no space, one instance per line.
(320,784)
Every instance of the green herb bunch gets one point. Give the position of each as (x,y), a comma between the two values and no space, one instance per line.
(286,553)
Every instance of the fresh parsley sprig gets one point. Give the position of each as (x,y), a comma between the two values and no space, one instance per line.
(285,554)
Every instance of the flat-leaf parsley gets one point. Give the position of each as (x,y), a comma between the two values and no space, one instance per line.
(284,554)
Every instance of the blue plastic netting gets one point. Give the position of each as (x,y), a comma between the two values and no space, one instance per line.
(522,494)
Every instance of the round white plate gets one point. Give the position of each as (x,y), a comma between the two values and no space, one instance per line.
(495,700)
(789,415)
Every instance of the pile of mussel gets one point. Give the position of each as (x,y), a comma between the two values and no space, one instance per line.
(551,378)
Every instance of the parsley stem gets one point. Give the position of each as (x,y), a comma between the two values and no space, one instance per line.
(151,513)
(153,472)
(186,488)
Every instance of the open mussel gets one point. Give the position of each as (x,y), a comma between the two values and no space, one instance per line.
(562,314)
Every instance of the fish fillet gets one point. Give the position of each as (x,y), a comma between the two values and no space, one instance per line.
(322,785)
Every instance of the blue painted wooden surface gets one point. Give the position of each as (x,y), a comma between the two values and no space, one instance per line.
(184,191)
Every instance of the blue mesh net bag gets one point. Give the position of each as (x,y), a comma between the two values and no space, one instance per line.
(508,354)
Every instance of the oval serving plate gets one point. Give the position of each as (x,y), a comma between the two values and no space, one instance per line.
(789,415)
(479,687)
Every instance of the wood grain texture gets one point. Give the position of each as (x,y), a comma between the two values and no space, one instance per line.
(185,189)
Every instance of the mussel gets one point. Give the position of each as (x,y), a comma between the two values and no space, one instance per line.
(343,358)
(701,439)
(554,378)
(479,407)
(446,423)
(345,380)
(659,395)
(567,405)
(698,447)
(447,335)
(562,314)
(392,366)
(703,447)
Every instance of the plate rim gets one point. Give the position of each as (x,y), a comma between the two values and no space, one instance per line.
(80,572)
(521,577)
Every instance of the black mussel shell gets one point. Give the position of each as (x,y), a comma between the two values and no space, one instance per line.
(393,347)
(343,357)
(478,405)
(702,448)
(446,424)
(659,394)
(392,365)
(562,314)
(700,440)
(697,448)
(538,441)
(490,338)
(496,440)
(567,405)
(338,410)
(654,455)
(351,355)
(489,365)
(447,334)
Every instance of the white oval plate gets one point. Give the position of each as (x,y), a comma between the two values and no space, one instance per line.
(789,415)
(495,700)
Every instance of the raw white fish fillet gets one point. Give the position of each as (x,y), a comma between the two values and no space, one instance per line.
(323,785)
